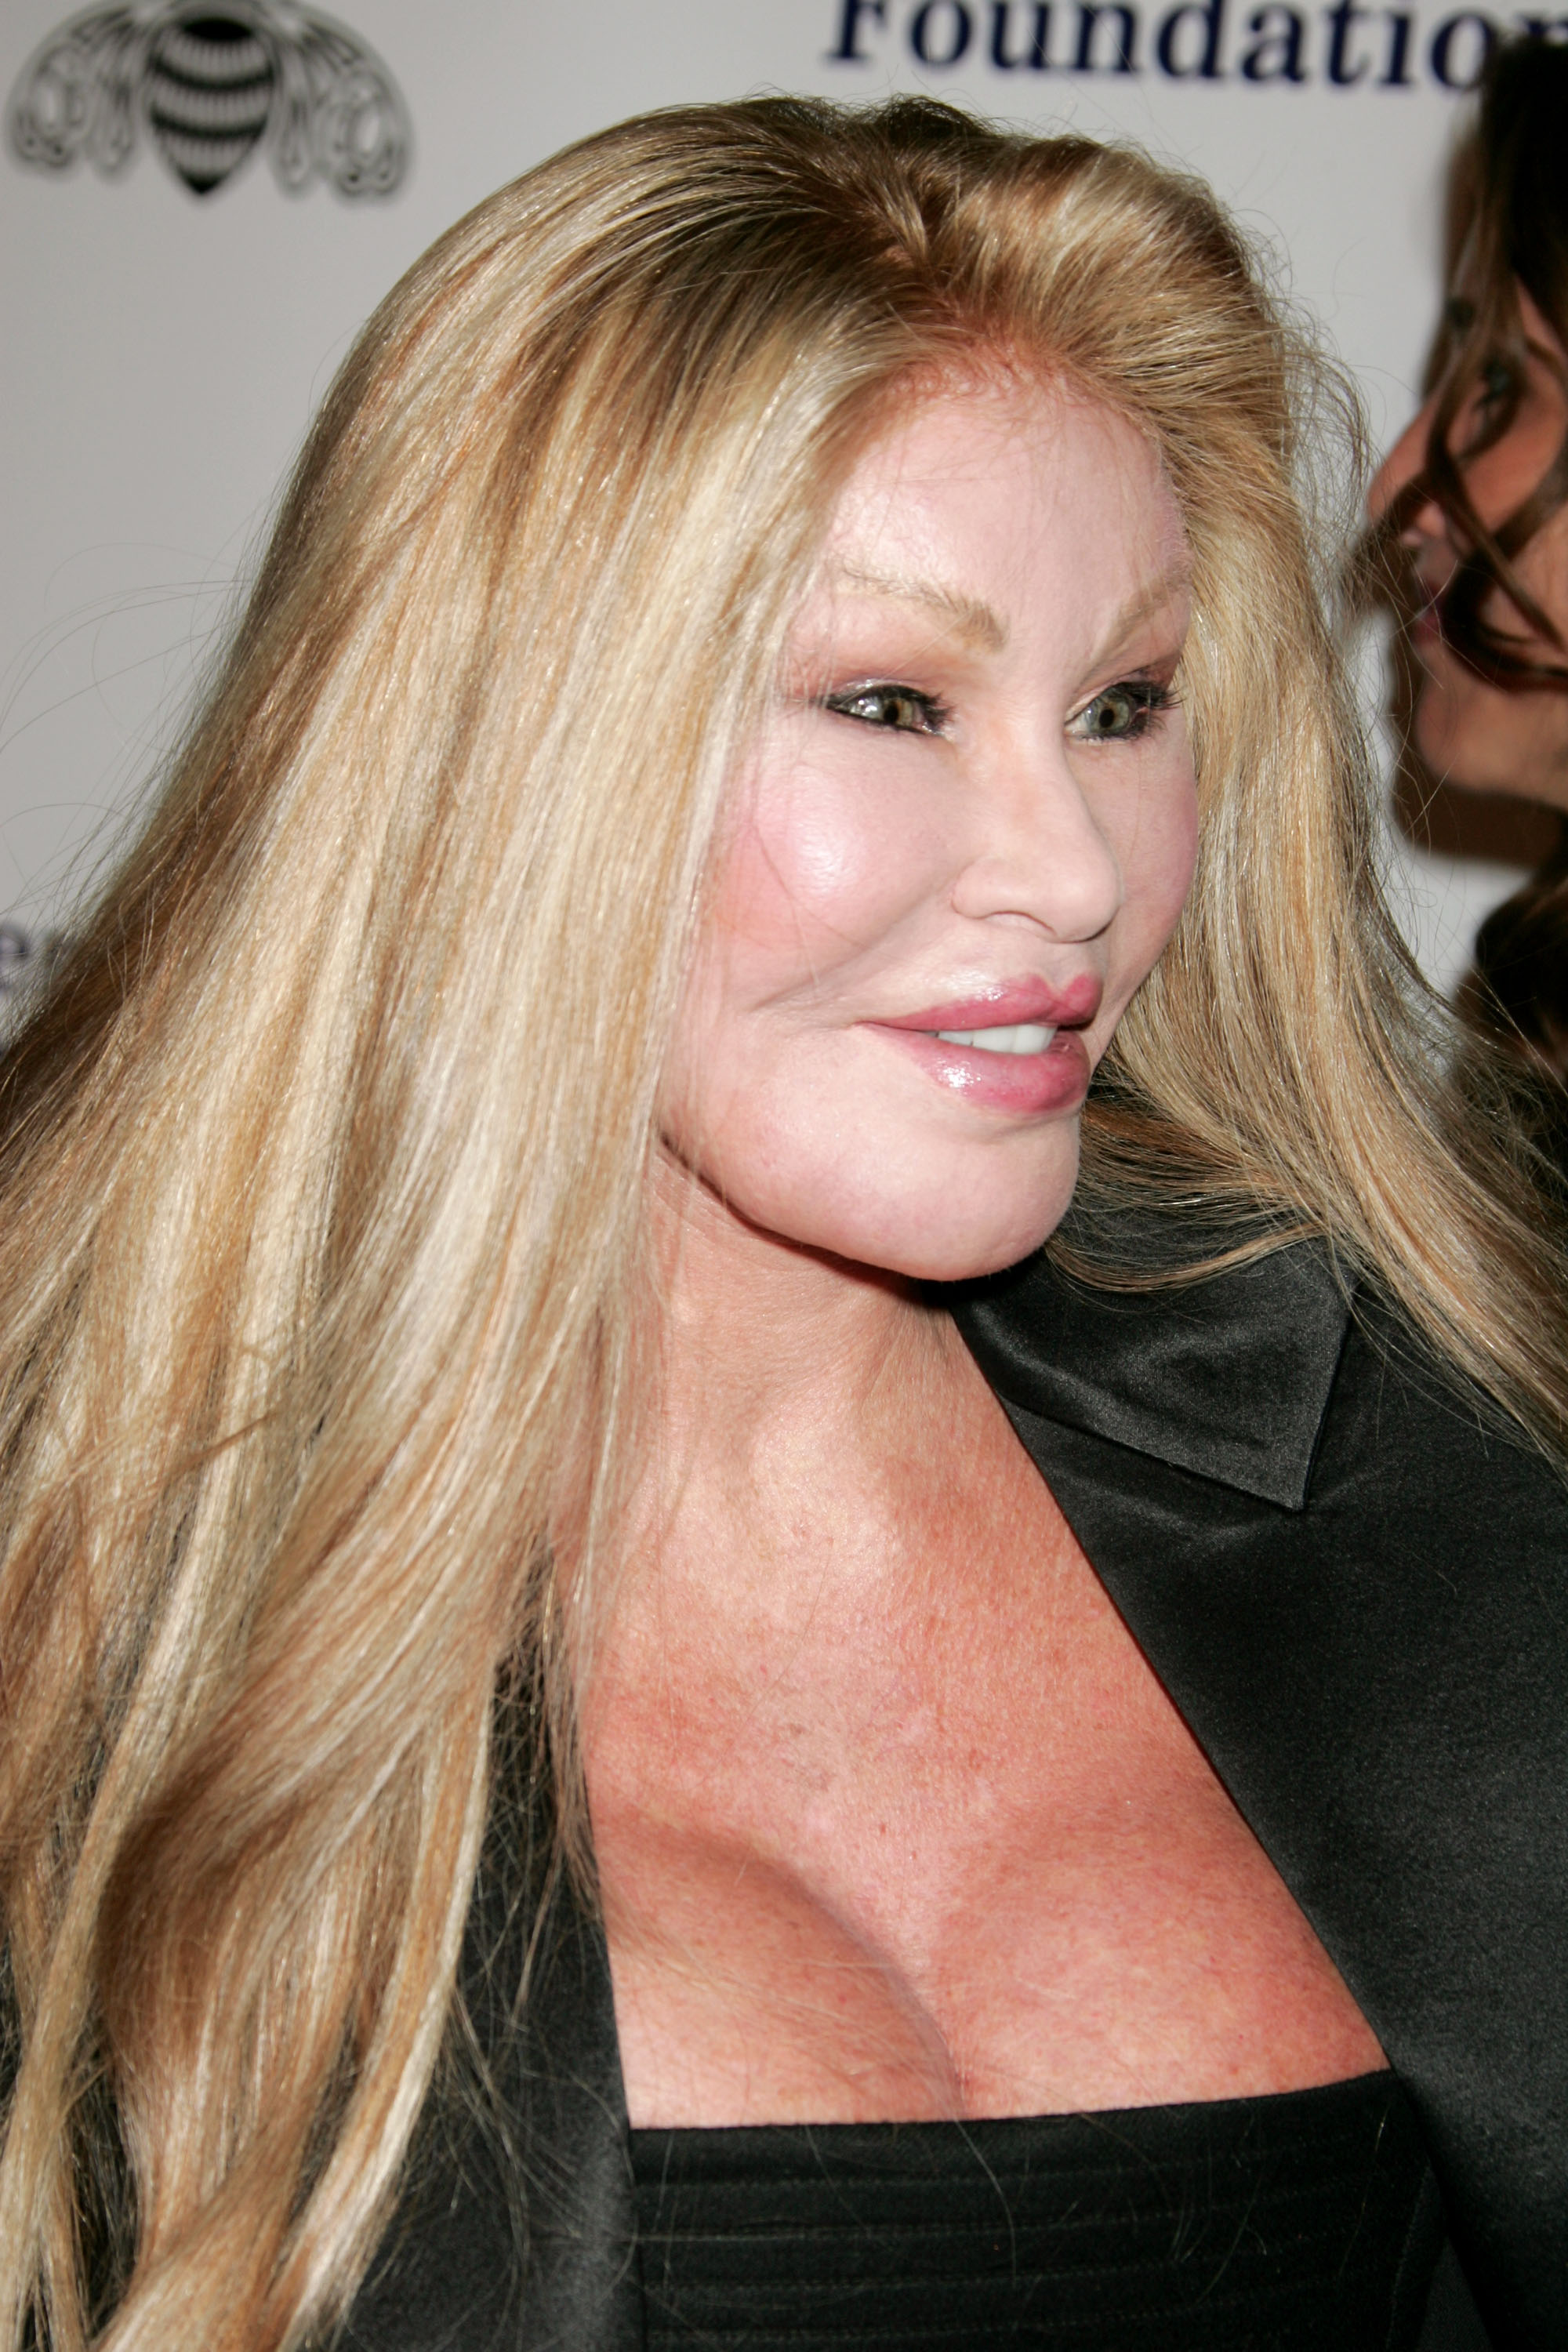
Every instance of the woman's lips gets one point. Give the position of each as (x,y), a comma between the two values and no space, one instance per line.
(1431,585)
(1427,628)
(1029,1084)
(1037,1062)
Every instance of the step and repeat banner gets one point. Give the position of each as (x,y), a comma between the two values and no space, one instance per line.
(199,203)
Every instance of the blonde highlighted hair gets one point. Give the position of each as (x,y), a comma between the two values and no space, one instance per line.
(323,1161)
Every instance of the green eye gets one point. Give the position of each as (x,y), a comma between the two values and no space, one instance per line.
(1122,713)
(901,709)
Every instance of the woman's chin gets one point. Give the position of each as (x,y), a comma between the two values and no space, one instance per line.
(948,1248)
(972,1263)
(1453,738)
(1485,740)
(889,1206)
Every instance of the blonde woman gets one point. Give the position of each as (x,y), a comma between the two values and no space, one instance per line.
(629,1714)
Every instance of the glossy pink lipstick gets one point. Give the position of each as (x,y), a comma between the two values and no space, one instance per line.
(1015,1074)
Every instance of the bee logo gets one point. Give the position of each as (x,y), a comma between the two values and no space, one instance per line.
(209,86)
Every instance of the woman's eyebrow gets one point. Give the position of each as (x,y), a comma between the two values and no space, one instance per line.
(971,617)
(1144,601)
(978,622)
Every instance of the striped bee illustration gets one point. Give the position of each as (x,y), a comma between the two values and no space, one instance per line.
(210,85)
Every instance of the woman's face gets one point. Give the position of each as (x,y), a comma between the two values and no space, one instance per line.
(961,842)
(1468,731)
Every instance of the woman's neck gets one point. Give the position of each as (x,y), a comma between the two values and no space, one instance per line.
(775,1350)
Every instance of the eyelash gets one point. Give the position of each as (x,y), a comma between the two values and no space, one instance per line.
(1496,382)
(1495,386)
(1149,701)
(935,715)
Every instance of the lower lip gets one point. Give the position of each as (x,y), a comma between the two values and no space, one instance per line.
(1426,627)
(1028,1084)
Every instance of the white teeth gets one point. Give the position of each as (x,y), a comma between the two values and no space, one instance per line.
(1024,1038)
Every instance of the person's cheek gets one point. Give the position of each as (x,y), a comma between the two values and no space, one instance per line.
(1543,564)
(827,863)
(1181,863)
(1159,851)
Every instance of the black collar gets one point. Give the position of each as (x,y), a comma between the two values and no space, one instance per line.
(1229,1377)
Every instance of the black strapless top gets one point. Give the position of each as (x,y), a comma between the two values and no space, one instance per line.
(1305,2222)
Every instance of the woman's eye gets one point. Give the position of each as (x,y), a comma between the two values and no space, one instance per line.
(1497,384)
(902,709)
(1487,409)
(1494,386)
(1120,713)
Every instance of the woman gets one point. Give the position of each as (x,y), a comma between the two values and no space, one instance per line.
(558,1743)
(1475,494)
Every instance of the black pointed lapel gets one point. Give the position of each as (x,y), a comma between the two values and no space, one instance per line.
(1229,1377)
(1358,1598)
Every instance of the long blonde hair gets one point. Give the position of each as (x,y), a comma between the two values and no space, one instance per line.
(322,1162)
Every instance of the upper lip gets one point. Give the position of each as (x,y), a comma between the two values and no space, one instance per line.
(1010,1003)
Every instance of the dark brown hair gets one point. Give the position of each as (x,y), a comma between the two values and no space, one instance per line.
(1509,228)
(1514,1001)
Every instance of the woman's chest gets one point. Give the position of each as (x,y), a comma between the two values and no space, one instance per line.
(915,1832)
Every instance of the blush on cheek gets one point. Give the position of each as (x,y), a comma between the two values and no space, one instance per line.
(818,867)
(1159,868)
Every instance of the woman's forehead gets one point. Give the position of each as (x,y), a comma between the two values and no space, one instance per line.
(988,478)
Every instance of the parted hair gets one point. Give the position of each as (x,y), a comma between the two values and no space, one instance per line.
(324,1341)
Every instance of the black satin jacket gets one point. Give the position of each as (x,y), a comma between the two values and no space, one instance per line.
(1354,1585)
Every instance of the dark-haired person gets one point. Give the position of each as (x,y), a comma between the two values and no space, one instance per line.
(1475,491)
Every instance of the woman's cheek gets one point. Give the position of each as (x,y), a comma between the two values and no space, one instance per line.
(1157,863)
(1182,858)
(821,869)
(1543,564)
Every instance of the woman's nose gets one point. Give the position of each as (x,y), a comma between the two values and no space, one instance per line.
(1399,468)
(1044,858)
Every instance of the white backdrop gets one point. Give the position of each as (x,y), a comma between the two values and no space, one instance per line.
(164,351)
